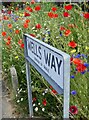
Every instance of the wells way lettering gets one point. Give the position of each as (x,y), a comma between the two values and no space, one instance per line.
(52,61)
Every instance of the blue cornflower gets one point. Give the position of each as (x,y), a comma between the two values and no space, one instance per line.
(72,76)
(83,72)
(83,55)
(43,39)
(10,30)
(60,33)
(86,64)
(49,32)
(73,92)
(78,56)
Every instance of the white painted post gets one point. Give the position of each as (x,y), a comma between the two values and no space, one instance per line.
(66,89)
(28,75)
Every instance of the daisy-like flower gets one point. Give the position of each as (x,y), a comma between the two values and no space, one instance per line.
(36,109)
(43,109)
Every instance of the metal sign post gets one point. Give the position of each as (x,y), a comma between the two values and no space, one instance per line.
(52,64)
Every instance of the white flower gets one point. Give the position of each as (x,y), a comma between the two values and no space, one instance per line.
(46,90)
(36,109)
(18,101)
(43,109)
(38,103)
(43,94)
(16,95)
(34,105)
(22,71)
(21,99)
(32,86)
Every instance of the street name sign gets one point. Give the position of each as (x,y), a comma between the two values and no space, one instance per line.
(52,64)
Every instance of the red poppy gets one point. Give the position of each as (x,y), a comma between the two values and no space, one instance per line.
(16,8)
(9,12)
(34,99)
(86,15)
(26,14)
(54,9)
(27,20)
(50,14)
(32,1)
(74,110)
(67,32)
(3,33)
(62,28)
(55,15)
(77,61)
(8,42)
(22,45)
(72,44)
(5,17)
(44,102)
(51,87)
(20,42)
(8,38)
(33,35)
(37,8)
(71,25)
(27,8)
(54,91)
(38,26)
(30,9)
(81,68)
(71,59)
(9,25)
(66,14)
(25,25)
(68,7)
(17,31)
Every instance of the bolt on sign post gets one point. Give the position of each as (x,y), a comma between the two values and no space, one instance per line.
(52,64)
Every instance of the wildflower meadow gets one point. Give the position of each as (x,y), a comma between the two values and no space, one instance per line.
(65,28)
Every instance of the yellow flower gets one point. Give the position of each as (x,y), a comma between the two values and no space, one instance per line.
(87,48)
(73,51)
(21,15)
(17,13)
(16,57)
(88,30)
